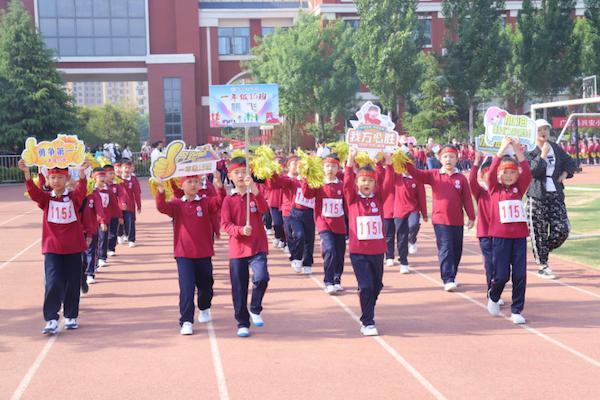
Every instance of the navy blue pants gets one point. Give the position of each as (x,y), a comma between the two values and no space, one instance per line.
(277,219)
(333,252)
(407,229)
(240,277)
(509,253)
(390,235)
(102,244)
(288,234)
(91,257)
(112,234)
(369,274)
(63,280)
(194,273)
(302,229)
(485,244)
(129,225)
(121,228)
(449,241)
(267,220)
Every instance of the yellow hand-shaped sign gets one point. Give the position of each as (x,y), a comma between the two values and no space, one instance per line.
(62,152)
(165,166)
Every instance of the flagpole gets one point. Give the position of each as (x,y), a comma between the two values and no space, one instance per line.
(246,153)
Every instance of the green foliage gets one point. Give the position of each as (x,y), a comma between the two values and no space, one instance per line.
(32,96)
(512,88)
(434,115)
(387,48)
(109,123)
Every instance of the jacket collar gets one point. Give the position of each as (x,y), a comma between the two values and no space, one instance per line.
(185,198)
(366,197)
(66,192)
(443,171)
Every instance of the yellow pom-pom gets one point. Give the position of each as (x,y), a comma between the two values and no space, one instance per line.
(92,160)
(118,180)
(311,169)
(264,164)
(341,149)
(399,161)
(152,184)
(103,161)
(90,186)
(238,153)
(363,159)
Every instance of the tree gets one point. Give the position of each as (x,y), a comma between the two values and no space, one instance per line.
(387,48)
(587,32)
(313,66)
(434,116)
(476,51)
(109,124)
(33,95)
(512,88)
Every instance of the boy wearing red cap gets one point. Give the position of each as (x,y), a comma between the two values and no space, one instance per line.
(366,238)
(508,181)
(62,243)
(116,218)
(248,246)
(330,222)
(134,193)
(192,246)
(98,205)
(451,194)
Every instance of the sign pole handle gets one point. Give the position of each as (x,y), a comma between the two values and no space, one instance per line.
(246,154)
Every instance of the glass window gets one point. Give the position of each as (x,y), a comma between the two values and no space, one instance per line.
(425,31)
(136,8)
(267,30)
(120,27)
(85,27)
(224,45)
(83,8)
(102,46)
(66,8)
(66,27)
(172,108)
(234,41)
(52,43)
(137,46)
(67,47)
(137,27)
(353,23)
(240,45)
(120,47)
(85,47)
(48,26)
(101,8)
(101,27)
(118,8)
(47,8)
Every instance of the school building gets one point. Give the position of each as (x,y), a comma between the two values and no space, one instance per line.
(180,47)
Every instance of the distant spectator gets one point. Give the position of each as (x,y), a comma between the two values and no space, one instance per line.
(126,153)
(322,149)
(157,151)
(145,151)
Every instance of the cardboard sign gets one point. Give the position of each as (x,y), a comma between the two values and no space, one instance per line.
(499,124)
(373,132)
(177,161)
(62,152)
(243,105)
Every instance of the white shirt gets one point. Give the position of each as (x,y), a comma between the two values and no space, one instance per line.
(127,154)
(155,154)
(550,165)
(323,151)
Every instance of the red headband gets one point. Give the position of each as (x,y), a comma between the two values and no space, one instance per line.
(185,178)
(118,164)
(58,171)
(331,160)
(367,174)
(126,163)
(448,150)
(290,159)
(508,165)
(231,167)
(107,169)
(98,173)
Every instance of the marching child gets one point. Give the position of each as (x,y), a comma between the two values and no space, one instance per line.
(367,246)
(97,208)
(62,243)
(451,194)
(248,246)
(508,227)
(134,192)
(116,220)
(193,233)
(330,221)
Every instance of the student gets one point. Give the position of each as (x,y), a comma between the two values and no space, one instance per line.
(116,220)
(389,226)
(410,203)
(274,201)
(366,243)
(97,208)
(248,246)
(451,194)
(330,223)
(134,192)
(193,248)
(508,227)
(62,243)
(110,205)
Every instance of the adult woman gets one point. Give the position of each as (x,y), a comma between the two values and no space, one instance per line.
(546,211)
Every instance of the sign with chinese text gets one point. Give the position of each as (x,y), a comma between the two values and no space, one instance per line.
(373,132)
(243,105)
(62,152)
(178,161)
(499,123)
(584,122)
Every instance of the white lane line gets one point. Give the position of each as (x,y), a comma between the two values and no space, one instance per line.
(387,347)
(17,216)
(555,342)
(24,384)
(217,362)
(19,254)
(582,189)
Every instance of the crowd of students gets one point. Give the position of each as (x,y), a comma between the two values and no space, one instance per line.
(369,212)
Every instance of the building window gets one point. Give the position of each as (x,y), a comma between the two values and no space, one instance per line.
(267,30)
(94,28)
(353,23)
(424,31)
(172,108)
(234,41)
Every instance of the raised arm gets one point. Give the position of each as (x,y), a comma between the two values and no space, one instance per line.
(422,176)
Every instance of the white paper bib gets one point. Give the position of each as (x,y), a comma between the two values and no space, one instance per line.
(369,227)
(61,212)
(332,208)
(512,211)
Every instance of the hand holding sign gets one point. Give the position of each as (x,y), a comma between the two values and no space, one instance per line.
(165,166)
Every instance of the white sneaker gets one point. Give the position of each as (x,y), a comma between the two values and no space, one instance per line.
(389,262)
(204,316)
(90,280)
(269,231)
(517,319)
(281,245)
(51,327)
(404,269)
(330,289)
(500,302)
(412,248)
(257,319)
(369,330)
(338,287)
(275,242)
(243,332)
(102,263)
(307,270)
(187,328)
(297,266)
(111,253)
(545,272)
(286,250)
(131,244)
(450,287)
(120,240)
(71,323)
(493,307)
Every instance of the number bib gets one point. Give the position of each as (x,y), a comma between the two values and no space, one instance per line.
(512,211)
(303,201)
(369,227)
(61,212)
(332,208)
(105,199)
